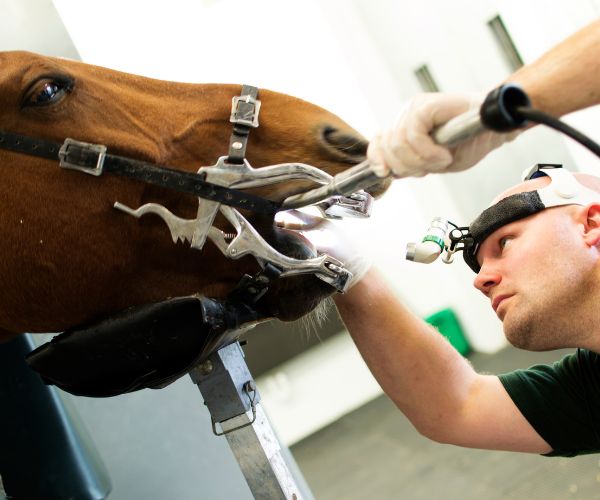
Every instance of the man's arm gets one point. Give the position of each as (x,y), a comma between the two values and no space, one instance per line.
(565,78)
(429,381)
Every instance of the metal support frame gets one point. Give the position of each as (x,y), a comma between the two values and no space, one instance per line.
(233,401)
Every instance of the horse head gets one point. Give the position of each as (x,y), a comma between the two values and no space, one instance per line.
(69,258)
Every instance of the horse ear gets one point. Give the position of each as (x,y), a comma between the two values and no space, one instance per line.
(346,146)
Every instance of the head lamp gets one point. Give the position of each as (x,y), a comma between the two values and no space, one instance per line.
(564,189)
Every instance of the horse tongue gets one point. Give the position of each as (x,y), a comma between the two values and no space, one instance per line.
(145,346)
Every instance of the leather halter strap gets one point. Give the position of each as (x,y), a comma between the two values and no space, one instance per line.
(244,116)
(93,159)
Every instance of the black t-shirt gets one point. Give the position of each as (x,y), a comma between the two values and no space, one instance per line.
(561,401)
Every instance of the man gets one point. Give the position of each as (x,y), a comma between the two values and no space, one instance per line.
(542,276)
(539,266)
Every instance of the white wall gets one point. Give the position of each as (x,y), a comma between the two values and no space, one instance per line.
(34,25)
(356,58)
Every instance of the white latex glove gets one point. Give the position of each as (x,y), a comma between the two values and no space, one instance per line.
(328,237)
(407,149)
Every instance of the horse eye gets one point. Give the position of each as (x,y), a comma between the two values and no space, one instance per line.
(46,91)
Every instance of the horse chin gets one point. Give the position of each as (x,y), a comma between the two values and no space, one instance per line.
(291,298)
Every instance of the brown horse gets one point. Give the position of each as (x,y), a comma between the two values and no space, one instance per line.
(68,257)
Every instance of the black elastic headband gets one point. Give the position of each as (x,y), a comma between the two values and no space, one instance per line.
(510,209)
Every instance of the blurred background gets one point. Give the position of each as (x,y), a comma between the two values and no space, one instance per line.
(362,60)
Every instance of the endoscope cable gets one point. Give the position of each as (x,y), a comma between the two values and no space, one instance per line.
(536,116)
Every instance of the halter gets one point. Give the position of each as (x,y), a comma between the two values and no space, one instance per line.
(218,189)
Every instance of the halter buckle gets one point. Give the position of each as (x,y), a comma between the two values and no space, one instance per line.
(82,151)
(244,111)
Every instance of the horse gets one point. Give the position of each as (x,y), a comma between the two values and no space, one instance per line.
(69,258)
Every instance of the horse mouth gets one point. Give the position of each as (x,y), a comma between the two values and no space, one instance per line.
(286,241)
(295,244)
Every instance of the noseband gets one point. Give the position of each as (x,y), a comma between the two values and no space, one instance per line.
(218,189)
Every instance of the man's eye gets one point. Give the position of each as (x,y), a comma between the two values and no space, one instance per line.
(504,241)
(47,91)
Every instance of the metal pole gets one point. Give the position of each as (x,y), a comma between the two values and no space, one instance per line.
(233,401)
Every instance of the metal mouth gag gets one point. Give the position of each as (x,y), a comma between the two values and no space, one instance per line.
(235,172)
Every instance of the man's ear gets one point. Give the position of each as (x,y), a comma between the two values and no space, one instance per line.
(591,224)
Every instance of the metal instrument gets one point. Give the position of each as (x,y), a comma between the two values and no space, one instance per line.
(496,113)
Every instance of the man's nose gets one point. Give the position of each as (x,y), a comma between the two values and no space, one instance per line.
(486,279)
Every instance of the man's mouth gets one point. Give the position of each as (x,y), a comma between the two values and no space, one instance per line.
(498,300)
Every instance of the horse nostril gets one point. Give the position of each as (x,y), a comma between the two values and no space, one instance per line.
(346,145)
(351,148)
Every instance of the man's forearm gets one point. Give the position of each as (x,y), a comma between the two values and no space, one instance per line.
(565,79)
(415,365)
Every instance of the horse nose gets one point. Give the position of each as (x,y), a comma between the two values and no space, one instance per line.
(351,148)
(347,145)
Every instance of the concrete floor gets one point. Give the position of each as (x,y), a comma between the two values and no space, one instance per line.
(374,453)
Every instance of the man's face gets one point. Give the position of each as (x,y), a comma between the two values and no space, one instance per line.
(537,273)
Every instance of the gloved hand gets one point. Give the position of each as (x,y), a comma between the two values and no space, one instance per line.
(407,149)
(328,237)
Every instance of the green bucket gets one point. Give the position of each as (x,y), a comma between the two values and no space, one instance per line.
(447,324)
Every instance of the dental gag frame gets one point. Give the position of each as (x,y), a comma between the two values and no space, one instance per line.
(234,171)
(247,240)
